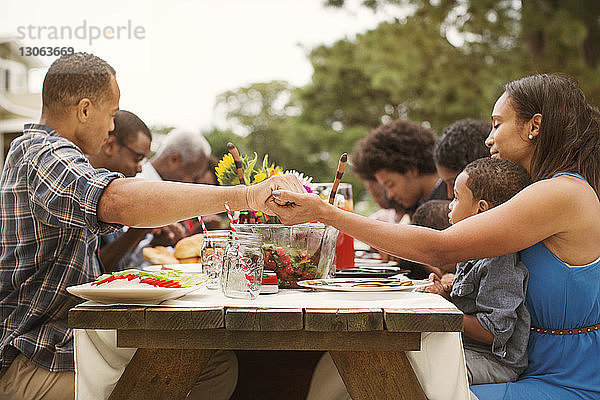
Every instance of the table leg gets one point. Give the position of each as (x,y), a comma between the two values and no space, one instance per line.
(161,374)
(377,375)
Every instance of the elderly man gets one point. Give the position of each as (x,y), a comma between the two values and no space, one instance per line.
(53,206)
(182,157)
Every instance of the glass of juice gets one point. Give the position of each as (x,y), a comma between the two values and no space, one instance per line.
(343,200)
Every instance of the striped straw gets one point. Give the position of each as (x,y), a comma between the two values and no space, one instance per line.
(206,235)
(231,223)
(237,239)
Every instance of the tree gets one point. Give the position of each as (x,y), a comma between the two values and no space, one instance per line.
(218,140)
(446,60)
(564,36)
(516,38)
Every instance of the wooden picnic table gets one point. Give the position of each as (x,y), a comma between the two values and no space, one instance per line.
(174,343)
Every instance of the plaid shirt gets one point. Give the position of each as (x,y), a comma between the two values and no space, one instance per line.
(49,231)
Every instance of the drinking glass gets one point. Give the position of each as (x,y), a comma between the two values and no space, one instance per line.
(243,266)
(213,251)
(343,200)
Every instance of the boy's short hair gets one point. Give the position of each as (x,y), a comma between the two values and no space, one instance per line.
(432,214)
(73,77)
(495,180)
(461,143)
(398,146)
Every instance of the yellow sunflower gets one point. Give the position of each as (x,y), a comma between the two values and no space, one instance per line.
(226,170)
(260,177)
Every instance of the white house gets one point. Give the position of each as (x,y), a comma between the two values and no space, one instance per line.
(18,104)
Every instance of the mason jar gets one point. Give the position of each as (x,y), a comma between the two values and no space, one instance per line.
(243,266)
(213,252)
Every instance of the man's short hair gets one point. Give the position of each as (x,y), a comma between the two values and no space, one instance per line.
(189,145)
(398,146)
(432,214)
(495,180)
(127,126)
(461,143)
(74,77)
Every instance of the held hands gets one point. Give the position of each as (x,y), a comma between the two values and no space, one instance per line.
(438,287)
(259,197)
(295,208)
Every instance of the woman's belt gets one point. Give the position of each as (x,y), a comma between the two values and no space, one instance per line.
(566,331)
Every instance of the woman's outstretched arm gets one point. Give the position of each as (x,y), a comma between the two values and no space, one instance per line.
(555,208)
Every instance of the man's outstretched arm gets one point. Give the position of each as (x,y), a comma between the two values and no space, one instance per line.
(140,203)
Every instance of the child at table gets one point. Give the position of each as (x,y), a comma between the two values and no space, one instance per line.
(491,291)
(431,214)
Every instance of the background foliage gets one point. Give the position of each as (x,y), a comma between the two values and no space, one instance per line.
(446,60)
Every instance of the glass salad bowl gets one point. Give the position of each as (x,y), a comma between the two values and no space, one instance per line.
(296,253)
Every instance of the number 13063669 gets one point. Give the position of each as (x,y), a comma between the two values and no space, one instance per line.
(46,51)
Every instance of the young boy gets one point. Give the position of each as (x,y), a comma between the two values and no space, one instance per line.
(491,291)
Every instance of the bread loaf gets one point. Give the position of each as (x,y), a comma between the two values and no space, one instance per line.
(190,246)
(159,255)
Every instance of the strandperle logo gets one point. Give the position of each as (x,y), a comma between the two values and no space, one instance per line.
(84,31)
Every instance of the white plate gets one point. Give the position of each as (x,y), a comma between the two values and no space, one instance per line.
(128,295)
(375,263)
(191,268)
(359,284)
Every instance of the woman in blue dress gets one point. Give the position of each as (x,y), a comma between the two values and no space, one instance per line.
(544,123)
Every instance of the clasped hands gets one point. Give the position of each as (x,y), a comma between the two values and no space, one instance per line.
(285,197)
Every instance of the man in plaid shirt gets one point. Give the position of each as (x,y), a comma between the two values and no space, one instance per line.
(53,206)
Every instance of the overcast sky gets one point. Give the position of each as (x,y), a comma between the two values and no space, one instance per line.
(187,51)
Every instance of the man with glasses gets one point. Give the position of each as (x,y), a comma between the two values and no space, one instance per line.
(124,151)
(126,147)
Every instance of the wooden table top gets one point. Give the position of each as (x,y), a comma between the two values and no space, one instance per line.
(248,317)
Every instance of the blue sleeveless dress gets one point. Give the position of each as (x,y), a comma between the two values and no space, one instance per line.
(561,367)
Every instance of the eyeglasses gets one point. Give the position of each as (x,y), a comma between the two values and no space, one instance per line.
(139,157)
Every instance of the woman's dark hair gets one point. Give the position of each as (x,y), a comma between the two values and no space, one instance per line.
(127,126)
(461,143)
(569,137)
(398,146)
(495,180)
